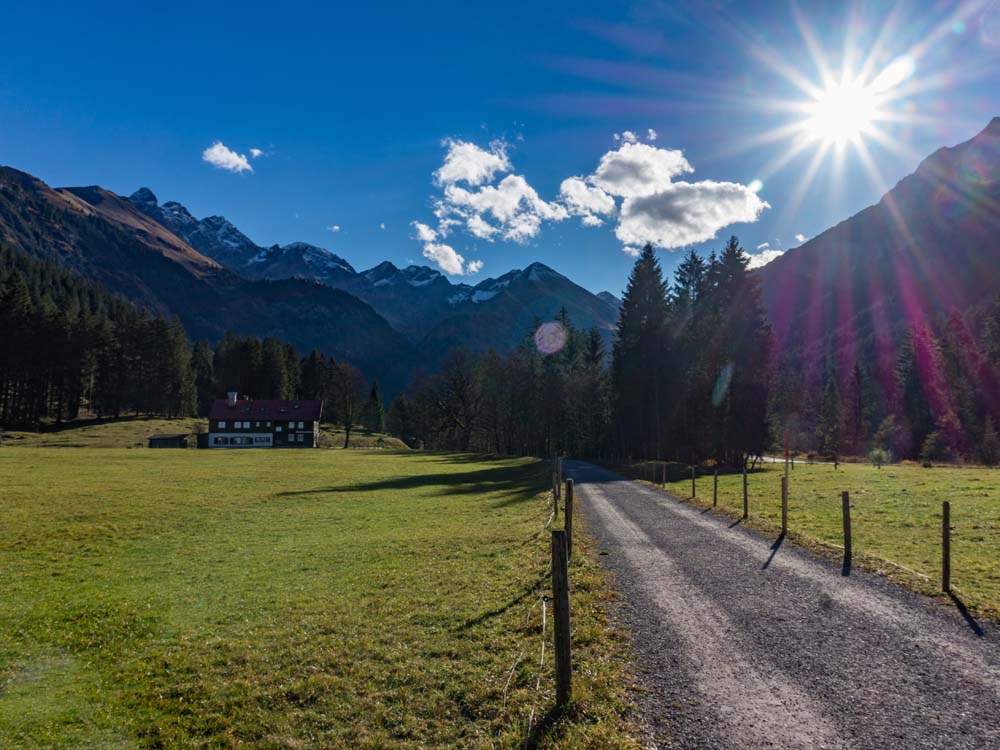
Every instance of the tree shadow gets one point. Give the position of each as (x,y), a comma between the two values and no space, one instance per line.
(845,569)
(969,619)
(519,483)
(774,549)
(736,523)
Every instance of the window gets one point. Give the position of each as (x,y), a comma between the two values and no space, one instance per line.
(278,428)
(222,425)
(301,425)
(299,437)
(267,424)
(266,440)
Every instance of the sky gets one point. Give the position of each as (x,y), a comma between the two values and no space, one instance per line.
(477,138)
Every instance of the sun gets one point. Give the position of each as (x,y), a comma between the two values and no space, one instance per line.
(842,112)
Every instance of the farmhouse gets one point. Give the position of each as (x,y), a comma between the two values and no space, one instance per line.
(248,423)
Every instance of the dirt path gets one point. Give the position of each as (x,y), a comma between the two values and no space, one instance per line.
(744,645)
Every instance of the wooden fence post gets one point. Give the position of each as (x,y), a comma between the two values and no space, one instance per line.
(784,505)
(746,499)
(845,500)
(560,598)
(568,517)
(664,475)
(715,488)
(693,494)
(946,547)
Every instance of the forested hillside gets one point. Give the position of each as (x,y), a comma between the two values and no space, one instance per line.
(886,324)
(70,345)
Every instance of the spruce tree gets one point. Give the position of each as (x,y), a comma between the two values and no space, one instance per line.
(639,358)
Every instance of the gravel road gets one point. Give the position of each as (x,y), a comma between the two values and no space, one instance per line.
(744,645)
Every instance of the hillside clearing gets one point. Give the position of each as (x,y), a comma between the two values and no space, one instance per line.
(287,599)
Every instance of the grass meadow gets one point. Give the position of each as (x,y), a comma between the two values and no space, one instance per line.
(895,514)
(290,599)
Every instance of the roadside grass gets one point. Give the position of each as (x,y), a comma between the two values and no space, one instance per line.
(291,599)
(132,432)
(895,514)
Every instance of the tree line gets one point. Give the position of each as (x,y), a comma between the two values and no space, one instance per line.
(70,346)
(688,377)
(536,400)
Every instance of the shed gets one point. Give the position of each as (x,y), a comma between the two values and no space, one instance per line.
(168,441)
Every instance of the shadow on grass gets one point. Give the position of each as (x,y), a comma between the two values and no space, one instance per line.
(963,610)
(530,589)
(519,483)
(774,549)
(542,728)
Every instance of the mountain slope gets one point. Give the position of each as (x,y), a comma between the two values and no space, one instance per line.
(930,246)
(498,313)
(107,239)
(417,301)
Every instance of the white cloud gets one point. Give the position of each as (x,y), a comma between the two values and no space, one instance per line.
(467,162)
(763,245)
(481,228)
(334,228)
(514,206)
(218,155)
(800,238)
(382,226)
(633,187)
(424,232)
(450,261)
(685,213)
(763,258)
(256,153)
(445,256)
(586,201)
(638,169)
(633,251)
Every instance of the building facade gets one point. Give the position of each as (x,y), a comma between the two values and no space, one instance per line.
(250,423)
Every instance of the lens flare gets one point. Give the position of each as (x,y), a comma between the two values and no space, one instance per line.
(722,384)
(550,338)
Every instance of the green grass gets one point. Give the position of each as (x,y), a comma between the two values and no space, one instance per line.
(132,432)
(113,433)
(289,599)
(895,514)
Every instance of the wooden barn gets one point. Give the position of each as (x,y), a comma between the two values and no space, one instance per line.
(251,423)
(168,441)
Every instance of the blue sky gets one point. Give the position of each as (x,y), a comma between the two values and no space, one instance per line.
(354,106)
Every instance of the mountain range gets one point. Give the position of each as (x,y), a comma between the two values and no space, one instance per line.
(389,321)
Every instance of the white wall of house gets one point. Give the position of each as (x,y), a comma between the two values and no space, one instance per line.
(246,439)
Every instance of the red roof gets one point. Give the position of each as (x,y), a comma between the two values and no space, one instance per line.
(274,410)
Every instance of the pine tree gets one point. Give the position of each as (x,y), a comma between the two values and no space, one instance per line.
(639,356)
(374,417)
